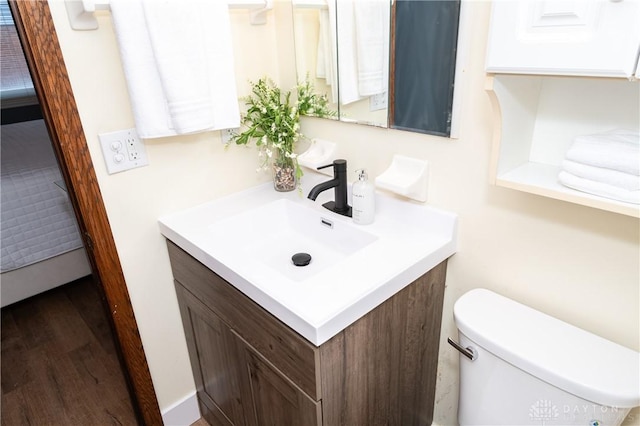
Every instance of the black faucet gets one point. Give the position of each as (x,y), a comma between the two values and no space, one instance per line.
(339,185)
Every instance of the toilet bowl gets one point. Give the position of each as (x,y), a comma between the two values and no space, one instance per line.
(523,367)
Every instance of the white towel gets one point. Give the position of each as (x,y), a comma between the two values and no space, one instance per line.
(617,150)
(598,174)
(372,40)
(599,188)
(323,34)
(347,51)
(326,66)
(178,63)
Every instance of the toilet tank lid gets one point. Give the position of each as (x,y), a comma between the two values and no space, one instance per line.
(556,352)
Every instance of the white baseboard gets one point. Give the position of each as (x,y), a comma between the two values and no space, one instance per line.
(182,413)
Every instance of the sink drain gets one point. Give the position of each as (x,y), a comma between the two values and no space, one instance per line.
(301,259)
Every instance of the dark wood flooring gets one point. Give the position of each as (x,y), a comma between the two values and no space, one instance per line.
(59,364)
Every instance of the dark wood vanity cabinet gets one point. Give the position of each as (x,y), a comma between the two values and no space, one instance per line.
(236,385)
(252,369)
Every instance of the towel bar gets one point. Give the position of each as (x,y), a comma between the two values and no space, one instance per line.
(81,12)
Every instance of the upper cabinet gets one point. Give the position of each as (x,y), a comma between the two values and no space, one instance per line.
(599,38)
(560,70)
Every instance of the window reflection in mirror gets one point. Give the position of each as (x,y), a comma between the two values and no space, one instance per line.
(404,77)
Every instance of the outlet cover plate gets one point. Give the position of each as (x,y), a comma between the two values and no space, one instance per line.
(226,134)
(378,102)
(122,150)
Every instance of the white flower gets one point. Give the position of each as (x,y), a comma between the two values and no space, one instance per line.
(269,152)
(290,155)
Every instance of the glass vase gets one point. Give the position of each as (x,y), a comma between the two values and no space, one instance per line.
(284,174)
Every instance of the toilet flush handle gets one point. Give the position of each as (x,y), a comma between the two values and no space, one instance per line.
(469,352)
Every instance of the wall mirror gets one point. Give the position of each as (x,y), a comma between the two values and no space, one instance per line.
(387,63)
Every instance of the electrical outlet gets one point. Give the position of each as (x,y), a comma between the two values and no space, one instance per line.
(226,134)
(122,150)
(377,102)
(132,148)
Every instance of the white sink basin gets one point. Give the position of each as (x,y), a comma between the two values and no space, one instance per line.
(250,237)
(274,232)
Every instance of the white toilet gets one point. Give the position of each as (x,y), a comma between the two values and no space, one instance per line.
(532,369)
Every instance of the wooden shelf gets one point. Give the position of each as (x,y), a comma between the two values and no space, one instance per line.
(537,118)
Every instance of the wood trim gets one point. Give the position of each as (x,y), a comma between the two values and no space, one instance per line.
(40,44)
(391,102)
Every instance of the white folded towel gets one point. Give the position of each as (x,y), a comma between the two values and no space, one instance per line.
(372,40)
(599,188)
(616,150)
(598,174)
(178,63)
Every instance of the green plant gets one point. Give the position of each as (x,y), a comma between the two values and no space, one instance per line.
(272,121)
(312,104)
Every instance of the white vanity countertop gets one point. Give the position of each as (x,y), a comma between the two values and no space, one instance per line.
(410,239)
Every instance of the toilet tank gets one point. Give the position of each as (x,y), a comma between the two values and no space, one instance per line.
(532,363)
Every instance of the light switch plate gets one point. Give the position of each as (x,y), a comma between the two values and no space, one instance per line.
(122,150)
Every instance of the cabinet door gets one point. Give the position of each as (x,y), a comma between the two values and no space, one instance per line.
(276,400)
(560,37)
(215,361)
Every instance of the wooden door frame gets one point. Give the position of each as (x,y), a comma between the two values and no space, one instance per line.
(35,27)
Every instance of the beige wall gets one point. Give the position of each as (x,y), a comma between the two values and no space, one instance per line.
(182,172)
(576,263)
